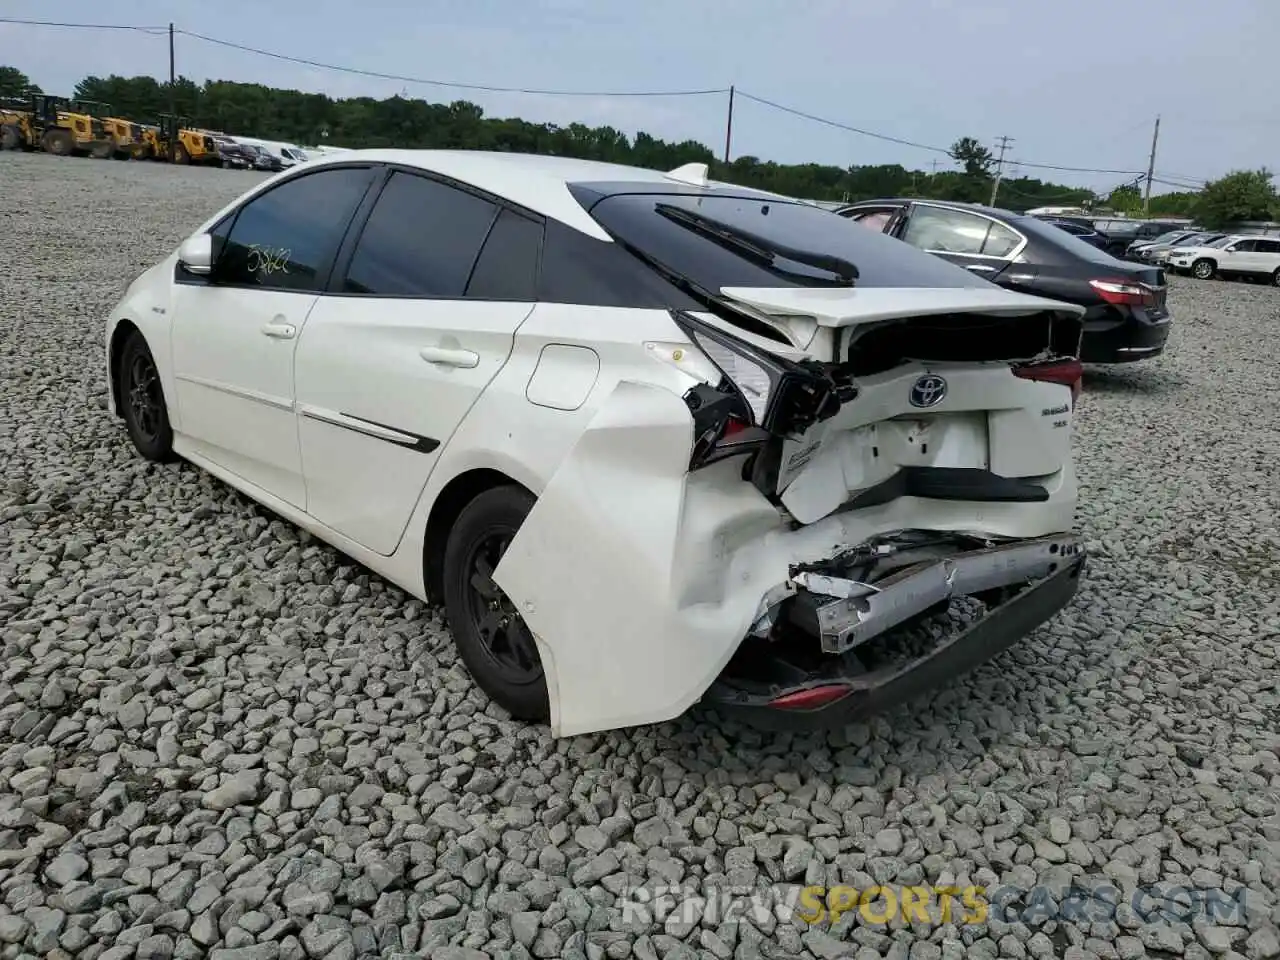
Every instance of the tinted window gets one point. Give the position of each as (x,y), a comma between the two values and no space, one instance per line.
(1268,246)
(956,231)
(420,241)
(508,265)
(872,219)
(1000,242)
(1047,233)
(1244,246)
(881,260)
(286,238)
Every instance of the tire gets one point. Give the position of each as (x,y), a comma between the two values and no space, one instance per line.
(102,150)
(10,137)
(1203,269)
(490,635)
(180,154)
(1275,278)
(58,142)
(142,401)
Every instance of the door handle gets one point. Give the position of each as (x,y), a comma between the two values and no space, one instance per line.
(979,268)
(278,330)
(450,357)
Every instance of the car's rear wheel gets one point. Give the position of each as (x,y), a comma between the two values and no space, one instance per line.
(142,401)
(1202,269)
(491,635)
(1275,278)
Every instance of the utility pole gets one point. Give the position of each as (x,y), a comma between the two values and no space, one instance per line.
(728,130)
(995,186)
(172,134)
(1151,170)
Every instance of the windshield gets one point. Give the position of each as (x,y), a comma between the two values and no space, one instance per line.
(805,242)
(1220,242)
(1195,240)
(1170,237)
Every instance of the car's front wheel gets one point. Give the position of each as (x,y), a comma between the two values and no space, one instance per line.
(142,401)
(491,635)
(1202,269)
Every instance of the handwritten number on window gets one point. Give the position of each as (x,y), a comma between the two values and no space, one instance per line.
(268,261)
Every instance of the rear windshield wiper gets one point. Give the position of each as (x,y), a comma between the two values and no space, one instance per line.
(754,245)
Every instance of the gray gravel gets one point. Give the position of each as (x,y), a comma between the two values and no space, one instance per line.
(220,738)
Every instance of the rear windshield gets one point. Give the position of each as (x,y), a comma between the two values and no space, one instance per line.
(636,220)
(1068,242)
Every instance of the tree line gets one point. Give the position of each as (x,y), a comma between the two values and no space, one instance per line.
(251,109)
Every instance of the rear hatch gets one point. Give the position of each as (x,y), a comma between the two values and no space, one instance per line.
(944,394)
(856,368)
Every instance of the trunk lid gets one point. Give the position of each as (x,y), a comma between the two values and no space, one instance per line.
(812,318)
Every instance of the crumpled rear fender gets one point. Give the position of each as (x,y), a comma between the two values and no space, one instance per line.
(632,626)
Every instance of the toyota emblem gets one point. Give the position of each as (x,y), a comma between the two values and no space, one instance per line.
(928,391)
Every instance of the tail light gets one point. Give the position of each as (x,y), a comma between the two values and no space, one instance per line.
(756,395)
(1068,373)
(1128,293)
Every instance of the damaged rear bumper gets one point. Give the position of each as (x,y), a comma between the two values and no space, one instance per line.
(841,694)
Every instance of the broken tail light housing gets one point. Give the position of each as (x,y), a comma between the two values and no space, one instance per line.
(759,396)
(1068,373)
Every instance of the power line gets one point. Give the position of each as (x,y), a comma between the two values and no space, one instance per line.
(913,143)
(155,31)
(486,88)
(373,74)
(490,88)
(842,126)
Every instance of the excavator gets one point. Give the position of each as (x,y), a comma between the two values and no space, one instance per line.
(54,125)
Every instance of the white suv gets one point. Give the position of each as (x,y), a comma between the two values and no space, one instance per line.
(1231,256)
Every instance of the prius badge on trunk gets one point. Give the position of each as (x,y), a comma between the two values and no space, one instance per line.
(928,391)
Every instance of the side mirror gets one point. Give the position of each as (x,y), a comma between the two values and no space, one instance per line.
(196,254)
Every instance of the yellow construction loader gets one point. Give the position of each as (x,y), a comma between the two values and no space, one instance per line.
(126,136)
(51,124)
(171,140)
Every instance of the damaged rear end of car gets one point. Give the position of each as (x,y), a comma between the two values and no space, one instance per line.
(865,489)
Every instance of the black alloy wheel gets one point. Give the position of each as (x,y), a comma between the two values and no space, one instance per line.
(492,637)
(142,401)
(504,636)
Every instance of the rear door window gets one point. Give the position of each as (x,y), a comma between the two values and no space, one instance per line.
(421,240)
(943,230)
(507,268)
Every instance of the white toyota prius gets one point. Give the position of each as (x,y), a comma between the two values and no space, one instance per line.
(649,439)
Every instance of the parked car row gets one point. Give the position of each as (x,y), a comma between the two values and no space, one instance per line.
(1230,256)
(1125,318)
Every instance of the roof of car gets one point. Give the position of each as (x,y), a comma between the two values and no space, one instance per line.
(534,181)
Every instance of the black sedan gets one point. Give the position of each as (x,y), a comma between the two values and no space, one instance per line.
(1127,318)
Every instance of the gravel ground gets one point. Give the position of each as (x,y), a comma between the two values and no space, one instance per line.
(219,737)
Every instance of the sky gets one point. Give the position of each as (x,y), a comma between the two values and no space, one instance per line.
(1075,84)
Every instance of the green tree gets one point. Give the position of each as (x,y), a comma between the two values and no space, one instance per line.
(1241,195)
(1125,199)
(15,83)
(253,109)
(975,159)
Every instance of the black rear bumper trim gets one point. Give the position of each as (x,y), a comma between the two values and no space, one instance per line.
(950,483)
(875,692)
